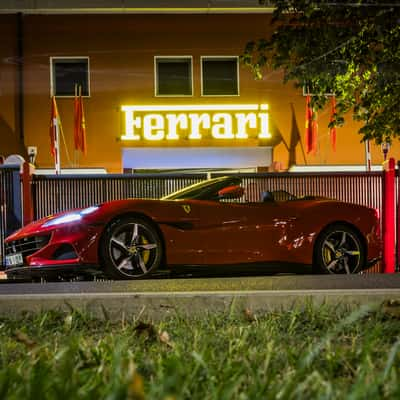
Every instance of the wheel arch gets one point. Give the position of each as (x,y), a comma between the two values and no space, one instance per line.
(133,214)
(345,223)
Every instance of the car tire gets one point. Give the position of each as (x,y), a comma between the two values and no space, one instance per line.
(131,248)
(339,249)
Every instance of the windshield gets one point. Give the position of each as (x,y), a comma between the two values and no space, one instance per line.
(205,190)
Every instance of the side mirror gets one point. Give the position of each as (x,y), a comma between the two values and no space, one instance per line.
(231,192)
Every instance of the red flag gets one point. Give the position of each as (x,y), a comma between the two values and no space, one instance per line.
(79,123)
(53,126)
(332,132)
(314,132)
(82,126)
(76,121)
(311,128)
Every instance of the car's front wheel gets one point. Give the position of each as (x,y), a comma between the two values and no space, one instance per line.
(131,249)
(339,250)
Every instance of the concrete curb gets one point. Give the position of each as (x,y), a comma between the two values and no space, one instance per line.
(157,306)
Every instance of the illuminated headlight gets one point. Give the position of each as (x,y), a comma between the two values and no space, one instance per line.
(70,217)
(89,210)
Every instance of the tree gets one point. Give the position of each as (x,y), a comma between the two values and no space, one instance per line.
(347,48)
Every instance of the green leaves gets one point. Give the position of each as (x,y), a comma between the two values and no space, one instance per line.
(349,49)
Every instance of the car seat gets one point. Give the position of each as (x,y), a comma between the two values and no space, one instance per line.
(267,196)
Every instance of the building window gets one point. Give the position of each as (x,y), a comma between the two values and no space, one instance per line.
(219,76)
(68,73)
(173,76)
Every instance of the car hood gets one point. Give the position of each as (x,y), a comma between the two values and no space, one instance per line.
(102,213)
(36,227)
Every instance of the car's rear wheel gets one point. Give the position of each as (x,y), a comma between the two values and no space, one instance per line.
(339,250)
(131,249)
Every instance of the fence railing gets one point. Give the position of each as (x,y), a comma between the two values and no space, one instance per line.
(52,194)
(55,193)
(359,188)
(10,203)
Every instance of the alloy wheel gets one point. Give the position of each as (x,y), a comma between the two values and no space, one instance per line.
(341,252)
(134,249)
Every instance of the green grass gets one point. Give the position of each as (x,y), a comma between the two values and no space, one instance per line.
(313,353)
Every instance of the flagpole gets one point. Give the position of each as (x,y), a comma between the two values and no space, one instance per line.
(367,156)
(57,160)
(79,122)
(76,161)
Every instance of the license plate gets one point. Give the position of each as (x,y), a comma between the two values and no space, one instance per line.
(13,260)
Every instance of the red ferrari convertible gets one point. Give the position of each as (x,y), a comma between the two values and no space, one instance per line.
(206,224)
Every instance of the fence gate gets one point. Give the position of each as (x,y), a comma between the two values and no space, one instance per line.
(10,203)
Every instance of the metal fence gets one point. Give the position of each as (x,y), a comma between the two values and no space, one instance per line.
(359,188)
(10,203)
(52,194)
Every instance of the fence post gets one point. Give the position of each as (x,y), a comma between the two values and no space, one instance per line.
(14,207)
(388,216)
(27,204)
(397,178)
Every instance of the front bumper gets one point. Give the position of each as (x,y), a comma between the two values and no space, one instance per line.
(53,271)
(65,245)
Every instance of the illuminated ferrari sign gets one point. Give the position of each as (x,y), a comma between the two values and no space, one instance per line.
(195,122)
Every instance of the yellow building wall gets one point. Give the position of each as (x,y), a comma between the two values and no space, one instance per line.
(10,141)
(121,49)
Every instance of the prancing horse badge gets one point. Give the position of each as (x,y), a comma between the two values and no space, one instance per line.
(187,208)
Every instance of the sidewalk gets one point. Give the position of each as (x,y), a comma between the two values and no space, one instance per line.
(158,299)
